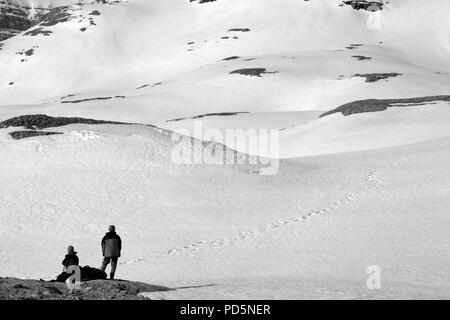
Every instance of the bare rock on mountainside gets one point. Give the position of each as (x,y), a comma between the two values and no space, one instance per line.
(55,16)
(202,1)
(19,289)
(371,6)
(375,105)
(16,17)
(41,121)
(374,77)
(18,135)
(253,72)
(216,114)
(13,19)
(361,58)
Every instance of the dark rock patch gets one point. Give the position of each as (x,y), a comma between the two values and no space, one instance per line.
(354,46)
(68,96)
(93,99)
(38,31)
(375,105)
(95,13)
(87,100)
(202,1)
(18,135)
(219,114)
(362,58)
(231,58)
(147,85)
(371,6)
(41,121)
(374,77)
(55,16)
(239,30)
(253,72)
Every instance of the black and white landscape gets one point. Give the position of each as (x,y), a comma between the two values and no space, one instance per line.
(351,201)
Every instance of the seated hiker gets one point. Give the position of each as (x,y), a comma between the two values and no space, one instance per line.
(71,258)
(111,246)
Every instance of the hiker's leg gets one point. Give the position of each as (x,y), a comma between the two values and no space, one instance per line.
(113,267)
(105,263)
(114,264)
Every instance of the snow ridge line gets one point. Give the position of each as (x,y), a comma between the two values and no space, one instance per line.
(371,177)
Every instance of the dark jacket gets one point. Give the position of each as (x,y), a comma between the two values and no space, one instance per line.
(71,260)
(111,245)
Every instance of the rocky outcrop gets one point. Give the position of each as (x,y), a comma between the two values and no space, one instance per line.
(364,5)
(19,135)
(15,18)
(216,114)
(374,77)
(376,105)
(19,289)
(41,121)
(253,72)
(202,1)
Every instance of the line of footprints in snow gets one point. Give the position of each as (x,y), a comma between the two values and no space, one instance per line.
(371,177)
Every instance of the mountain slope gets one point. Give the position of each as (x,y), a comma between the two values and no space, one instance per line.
(309,57)
(19,15)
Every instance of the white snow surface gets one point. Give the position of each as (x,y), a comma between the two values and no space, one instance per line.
(369,189)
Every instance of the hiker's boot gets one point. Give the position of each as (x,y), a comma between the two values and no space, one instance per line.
(111,276)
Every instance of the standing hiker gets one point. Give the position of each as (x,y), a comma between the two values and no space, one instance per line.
(111,246)
(71,258)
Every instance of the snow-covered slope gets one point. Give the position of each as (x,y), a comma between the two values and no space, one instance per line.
(310,231)
(304,134)
(307,44)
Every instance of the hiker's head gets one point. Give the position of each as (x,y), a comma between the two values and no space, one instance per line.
(70,249)
(112,228)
